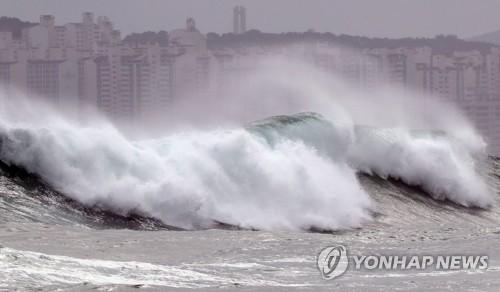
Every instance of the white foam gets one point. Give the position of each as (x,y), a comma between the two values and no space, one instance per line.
(302,179)
(441,165)
(192,179)
(32,269)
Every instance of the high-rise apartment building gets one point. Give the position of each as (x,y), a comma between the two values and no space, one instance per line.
(239,19)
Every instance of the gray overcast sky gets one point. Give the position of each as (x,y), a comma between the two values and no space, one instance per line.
(385,18)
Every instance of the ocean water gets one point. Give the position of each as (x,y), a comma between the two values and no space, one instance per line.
(245,196)
(240,208)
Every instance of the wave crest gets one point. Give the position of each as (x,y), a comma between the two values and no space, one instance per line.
(284,173)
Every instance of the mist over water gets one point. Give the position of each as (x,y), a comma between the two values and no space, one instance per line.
(247,158)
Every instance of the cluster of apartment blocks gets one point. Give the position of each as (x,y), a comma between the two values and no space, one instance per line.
(88,63)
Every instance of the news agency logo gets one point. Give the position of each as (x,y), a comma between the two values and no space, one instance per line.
(333,261)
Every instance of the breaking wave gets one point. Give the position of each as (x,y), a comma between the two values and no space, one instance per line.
(295,172)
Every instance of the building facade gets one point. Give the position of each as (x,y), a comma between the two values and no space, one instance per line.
(86,64)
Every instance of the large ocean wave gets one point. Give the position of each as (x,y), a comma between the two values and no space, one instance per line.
(295,172)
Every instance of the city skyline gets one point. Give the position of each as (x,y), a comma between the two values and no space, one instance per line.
(248,145)
(130,80)
(464,18)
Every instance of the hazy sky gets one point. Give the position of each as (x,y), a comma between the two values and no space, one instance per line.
(385,18)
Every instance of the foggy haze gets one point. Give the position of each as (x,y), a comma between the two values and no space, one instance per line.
(384,18)
(223,145)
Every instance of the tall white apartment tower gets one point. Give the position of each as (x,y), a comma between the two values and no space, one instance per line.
(239,19)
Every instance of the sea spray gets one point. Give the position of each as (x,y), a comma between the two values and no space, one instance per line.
(191,180)
(443,166)
(292,172)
